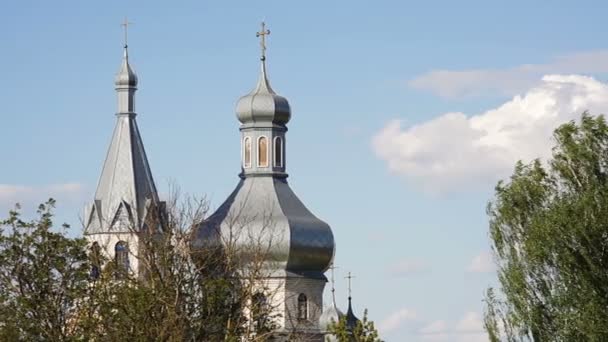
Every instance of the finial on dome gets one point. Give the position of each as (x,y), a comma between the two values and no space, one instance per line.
(263,104)
(262,35)
(351,319)
(126,76)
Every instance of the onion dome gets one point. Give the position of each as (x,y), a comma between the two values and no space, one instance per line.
(351,319)
(126,76)
(263,104)
(331,315)
(263,209)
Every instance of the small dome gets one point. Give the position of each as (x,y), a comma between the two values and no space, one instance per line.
(351,319)
(125,76)
(330,315)
(263,104)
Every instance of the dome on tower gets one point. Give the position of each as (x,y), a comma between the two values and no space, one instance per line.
(331,315)
(263,205)
(262,104)
(351,319)
(125,77)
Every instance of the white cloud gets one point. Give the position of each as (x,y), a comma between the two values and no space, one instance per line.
(481,263)
(436,327)
(455,151)
(470,323)
(469,328)
(11,194)
(509,81)
(396,320)
(408,266)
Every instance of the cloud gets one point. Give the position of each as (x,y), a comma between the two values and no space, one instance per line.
(407,267)
(509,81)
(455,151)
(396,320)
(470,323)
(433,328)
(481,263)
(469,328)
(11,194)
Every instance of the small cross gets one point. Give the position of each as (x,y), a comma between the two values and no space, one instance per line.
(263,33)
(126,24)
(349,277)
(333,269)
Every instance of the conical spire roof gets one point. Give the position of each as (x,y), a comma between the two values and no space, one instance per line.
(126,187)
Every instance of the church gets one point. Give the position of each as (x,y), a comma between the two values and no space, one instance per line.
(261,208)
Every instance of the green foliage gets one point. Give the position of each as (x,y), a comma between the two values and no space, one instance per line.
(43,277)
(364,331)
(47,292)
(549,228)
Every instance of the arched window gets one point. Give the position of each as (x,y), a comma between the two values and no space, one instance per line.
(302,307)
(263,152)
(247,152)
(278,152)
(121,255)
(95,258)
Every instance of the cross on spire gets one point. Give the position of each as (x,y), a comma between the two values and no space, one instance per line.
(126,24)
(262,34)
(349,277)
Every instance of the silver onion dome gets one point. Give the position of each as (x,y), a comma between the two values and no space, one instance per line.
(331,315)
(263,207)
(262,104)
(125,77)
(266,208)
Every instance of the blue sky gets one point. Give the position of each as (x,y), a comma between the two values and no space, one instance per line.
(405,114)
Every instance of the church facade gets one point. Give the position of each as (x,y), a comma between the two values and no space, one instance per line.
(262,209)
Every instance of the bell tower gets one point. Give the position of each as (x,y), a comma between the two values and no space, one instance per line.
(126,196)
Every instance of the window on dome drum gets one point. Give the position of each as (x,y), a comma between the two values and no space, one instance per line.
(121,255)
(263,152)
(302,307)
(278,152)
(95,258)
(247,152)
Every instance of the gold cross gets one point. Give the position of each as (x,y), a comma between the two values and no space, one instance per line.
(349,277)
(126,24)
(263,33)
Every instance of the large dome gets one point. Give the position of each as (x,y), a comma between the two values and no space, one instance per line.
(264,211)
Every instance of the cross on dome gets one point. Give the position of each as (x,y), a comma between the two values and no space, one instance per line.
(125,24)
(262,35)
(349,277)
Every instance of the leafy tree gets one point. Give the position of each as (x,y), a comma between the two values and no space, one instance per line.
(57,288)
(364,331)
(549,229)
(43,278)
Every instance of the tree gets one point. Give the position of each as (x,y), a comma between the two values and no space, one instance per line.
(364,331)
(43,277)
(549,230)
(57,288)
(178,293)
